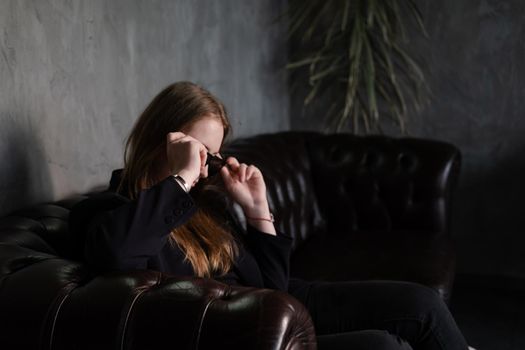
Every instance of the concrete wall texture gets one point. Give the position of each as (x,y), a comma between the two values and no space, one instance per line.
(74,75)
(474,63)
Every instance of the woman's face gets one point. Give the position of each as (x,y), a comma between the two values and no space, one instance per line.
(209,131)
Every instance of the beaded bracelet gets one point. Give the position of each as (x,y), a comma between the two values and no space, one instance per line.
(271,219)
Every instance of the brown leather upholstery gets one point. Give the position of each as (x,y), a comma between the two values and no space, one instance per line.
(361,207)
(358,208)
(49,301)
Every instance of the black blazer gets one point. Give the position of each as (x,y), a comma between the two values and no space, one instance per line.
(113,232)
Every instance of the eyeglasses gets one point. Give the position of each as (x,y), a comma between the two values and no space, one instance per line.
(214,164)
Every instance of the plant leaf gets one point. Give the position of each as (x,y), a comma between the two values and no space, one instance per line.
(370,77)
(346,14)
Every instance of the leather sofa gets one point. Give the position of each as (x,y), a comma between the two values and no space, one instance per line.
(361,207)
(358,208)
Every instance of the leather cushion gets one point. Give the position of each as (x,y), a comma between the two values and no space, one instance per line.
(406,256)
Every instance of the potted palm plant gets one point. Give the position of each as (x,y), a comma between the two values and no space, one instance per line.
(352,50)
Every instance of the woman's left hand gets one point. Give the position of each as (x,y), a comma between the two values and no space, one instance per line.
(246,186)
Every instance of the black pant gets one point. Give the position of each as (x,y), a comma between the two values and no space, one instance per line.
(378,315)
(362,340)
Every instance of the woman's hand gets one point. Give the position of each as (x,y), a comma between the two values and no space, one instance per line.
(245,185)
(186,157)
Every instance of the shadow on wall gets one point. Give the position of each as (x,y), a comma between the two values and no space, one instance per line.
(489,215)
(24,174)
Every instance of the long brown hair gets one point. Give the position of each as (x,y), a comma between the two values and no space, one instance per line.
(209,246)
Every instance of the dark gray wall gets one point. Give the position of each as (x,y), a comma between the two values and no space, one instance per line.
(74,75)
(475,57)
(474,60)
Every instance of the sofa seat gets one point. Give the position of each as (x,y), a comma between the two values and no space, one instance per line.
(406,256)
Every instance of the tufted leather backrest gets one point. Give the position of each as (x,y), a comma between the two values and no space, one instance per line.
(378,183)
(43,227)
(342,183)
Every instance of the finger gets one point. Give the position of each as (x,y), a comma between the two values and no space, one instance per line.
(250,171)
(233,163)
(226,173)
(191,138)
(203,154)
(179,137)
(226,176)
(242,172)
(174,136)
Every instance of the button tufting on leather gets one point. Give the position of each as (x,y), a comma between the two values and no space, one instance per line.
(377,190)
(370,160)
(338,155)
(407,162)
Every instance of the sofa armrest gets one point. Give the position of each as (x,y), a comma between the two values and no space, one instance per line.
(51,303)
(216,316)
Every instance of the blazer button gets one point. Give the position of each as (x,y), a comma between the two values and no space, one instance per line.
(178,212)
(169,219)
(186,204)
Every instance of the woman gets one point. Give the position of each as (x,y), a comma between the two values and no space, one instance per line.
(170,217)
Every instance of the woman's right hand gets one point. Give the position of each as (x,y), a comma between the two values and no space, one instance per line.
(186,157)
